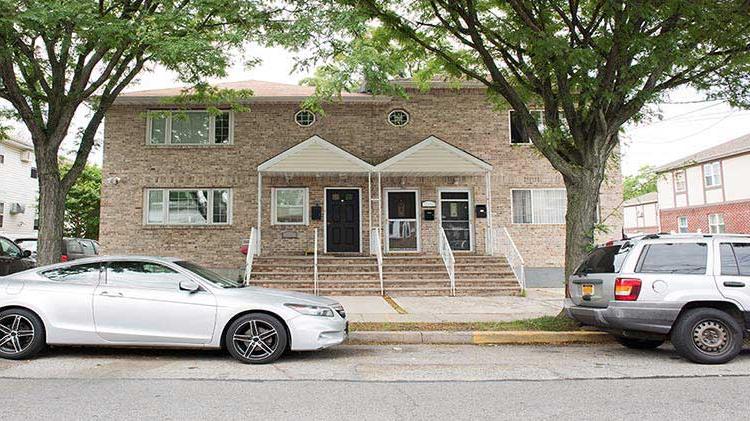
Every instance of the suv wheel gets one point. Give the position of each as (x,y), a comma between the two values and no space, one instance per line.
(707,336)
(635,343)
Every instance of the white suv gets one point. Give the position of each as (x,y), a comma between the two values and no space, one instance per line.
(693,289)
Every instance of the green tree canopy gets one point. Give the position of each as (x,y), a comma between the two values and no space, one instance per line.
(82,203)
(639,184)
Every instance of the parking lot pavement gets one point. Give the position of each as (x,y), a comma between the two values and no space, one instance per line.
(537,302)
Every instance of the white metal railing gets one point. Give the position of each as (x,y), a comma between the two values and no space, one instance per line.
(503,244)
(253,249)
(315,264)
(450,261)
(376,247)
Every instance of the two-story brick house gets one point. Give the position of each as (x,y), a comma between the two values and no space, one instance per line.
(445,161)
(707,191)
(19,189)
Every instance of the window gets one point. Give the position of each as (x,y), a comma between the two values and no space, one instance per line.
(34,173)
(716,223)
(2,213)
(9,248)
(712,174)
(86,274)
(2,159)
(518,133)
(679,181)
(209,275)
(603,260)
(682,224)
(678,258)
(188,207)
(539,206)
(189,128)
(142,275)
(735,259)
(88,248)
(398,118)
(304,118)
(289,206)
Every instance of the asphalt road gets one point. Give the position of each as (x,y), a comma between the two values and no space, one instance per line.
(376,382)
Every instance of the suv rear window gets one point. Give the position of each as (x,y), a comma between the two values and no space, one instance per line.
(678,258)
(603,260)
(735,259)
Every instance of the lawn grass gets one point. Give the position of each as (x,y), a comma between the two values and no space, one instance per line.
(545,323)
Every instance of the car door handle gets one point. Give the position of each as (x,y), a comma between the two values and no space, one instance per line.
(734,284)
(111,294)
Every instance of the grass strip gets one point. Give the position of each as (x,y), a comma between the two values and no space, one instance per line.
(545,324)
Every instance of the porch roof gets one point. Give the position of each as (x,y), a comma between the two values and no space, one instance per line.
(313,156)
(434,156)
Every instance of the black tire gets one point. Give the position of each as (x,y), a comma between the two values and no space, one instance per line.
(635,343)
(23,334)
(698,329)
(256,338)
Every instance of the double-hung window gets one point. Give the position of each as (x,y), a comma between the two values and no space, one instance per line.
(289,206)
(539,206)
(191,127)
(188,206)
(682,224)
(716,223)
(712,174)
(679,181)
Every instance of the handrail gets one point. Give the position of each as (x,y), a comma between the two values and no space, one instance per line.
(503,244)
(315,264)
(376,246)
(448,259)
(252,251)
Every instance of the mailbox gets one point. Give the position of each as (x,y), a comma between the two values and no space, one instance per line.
(429,214)
(315,213)
(481,211)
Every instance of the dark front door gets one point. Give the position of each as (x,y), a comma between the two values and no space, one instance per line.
(342,220)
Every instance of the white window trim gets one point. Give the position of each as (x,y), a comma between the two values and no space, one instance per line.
(711,225)
(513,216)
(684,181)
(305,206)
(408,117)
(715,174)
(168,128)
(680,226)
(510,122)
(165,207)
(315,118)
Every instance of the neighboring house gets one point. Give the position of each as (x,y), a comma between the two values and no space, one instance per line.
(194,184)
(19,189)
(640,215)
(707,191)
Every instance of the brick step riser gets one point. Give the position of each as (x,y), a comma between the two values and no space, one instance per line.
(441,266)
(309,261)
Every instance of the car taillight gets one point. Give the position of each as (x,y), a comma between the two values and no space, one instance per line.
(64,258)
(627,289)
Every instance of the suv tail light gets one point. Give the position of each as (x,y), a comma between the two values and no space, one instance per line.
(627,289)
(64,258)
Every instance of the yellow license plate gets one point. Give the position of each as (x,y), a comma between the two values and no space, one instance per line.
(587,289)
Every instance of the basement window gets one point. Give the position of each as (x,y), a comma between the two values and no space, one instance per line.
(191,127)
(518,135)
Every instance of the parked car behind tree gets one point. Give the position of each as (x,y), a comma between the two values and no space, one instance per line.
(12,258)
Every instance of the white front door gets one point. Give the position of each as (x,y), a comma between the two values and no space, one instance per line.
(455,218)
(402,214)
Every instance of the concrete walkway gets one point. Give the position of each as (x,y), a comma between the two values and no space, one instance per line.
(538,302)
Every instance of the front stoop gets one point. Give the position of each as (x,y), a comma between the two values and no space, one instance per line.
(417,275)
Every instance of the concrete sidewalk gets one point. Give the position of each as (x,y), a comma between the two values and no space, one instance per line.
(538,302)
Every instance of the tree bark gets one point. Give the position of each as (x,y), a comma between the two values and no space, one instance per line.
(581,218)
(51,208)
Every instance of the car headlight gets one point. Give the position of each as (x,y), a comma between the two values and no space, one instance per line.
(309,310)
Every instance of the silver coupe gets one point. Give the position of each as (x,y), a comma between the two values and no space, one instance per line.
(159,302)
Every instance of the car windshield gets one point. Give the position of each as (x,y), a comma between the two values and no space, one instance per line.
(210,275)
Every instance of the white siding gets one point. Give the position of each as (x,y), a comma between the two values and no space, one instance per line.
(650,216)
(640,216)
(714,196)
(629,217)
(17,186)
(694,177)
(666,191)
(736,176)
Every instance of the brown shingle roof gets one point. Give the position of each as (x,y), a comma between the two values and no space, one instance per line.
(733,147)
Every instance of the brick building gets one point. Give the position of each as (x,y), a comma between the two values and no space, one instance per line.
(707,191)
(193,184)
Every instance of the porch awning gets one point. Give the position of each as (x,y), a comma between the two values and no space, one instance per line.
(433,156)
(314,156)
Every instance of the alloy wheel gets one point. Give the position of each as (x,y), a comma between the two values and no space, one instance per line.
(711,336)
(16,334)
(256,340)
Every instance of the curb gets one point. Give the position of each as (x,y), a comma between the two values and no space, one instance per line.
(477,338)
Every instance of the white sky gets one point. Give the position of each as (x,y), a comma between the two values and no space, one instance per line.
(684,128)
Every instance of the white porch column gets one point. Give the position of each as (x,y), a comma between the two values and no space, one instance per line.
(380,210)
(260,207)
(488,187)
(369,205)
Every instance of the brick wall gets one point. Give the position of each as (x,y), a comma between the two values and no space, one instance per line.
(463,118)
(736,217)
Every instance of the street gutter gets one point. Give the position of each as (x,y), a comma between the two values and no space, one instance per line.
(478,337)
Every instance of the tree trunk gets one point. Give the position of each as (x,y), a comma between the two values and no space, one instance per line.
(580,220)
(51,210)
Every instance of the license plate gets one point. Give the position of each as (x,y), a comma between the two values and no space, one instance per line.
(587,289)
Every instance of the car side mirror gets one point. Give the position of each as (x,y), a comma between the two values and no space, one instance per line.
(189,286)
(26,253)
